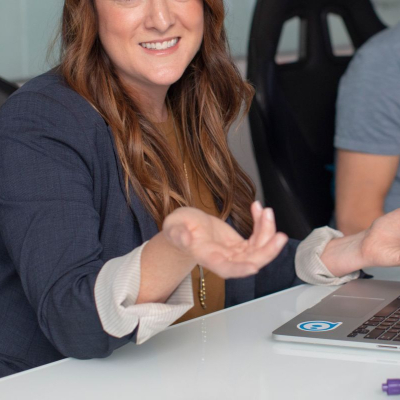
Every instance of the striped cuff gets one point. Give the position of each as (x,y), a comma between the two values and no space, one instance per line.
(116,291)
(308,264)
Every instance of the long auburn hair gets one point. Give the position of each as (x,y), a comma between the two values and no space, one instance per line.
(204,102)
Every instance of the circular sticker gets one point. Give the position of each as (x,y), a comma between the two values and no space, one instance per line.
(318,326)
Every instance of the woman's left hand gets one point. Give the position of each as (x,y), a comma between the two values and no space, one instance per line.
(380,245)
(213,243)
(377,246)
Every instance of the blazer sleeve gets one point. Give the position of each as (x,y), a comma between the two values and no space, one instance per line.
(280,274)
(49,223)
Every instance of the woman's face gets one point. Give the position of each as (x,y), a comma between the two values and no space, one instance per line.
(150,42)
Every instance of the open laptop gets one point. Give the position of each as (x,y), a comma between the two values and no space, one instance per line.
(363,313)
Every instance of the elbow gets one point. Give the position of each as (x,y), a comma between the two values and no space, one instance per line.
(85,353)
(83,340)
(349,226)
(88,346)
(355,221)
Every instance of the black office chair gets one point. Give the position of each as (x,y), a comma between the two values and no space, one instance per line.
(292,116)
(6,89)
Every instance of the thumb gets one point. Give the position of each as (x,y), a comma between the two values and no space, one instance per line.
(179,236)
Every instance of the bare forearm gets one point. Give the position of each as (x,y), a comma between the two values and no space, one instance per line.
(357,219)
(163,268)
(362,184)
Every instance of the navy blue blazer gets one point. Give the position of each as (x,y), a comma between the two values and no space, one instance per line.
(63,214)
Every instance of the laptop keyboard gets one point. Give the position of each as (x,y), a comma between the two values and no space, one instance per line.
(384,325)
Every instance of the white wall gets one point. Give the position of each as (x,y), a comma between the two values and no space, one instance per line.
(239,14)
(26,29)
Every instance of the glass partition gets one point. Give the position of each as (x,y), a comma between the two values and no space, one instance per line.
(28,26)
(26,29)
(240,14)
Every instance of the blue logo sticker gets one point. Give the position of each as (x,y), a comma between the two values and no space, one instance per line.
(318,326)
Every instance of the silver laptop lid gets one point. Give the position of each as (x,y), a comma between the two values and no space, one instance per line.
(362,313)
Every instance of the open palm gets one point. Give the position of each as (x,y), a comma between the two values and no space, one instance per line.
(215,245)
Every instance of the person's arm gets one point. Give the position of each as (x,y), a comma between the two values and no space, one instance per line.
(151,286)
(377,246)
(362,184)
(190,237)
(49,224)
(367,133)
(51,227)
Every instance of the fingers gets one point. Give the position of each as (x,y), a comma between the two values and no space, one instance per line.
(211,244)
(264,225)
(229,263)
(212,255)
(256,212)
(224,263)
(229,269)
(267,253)
(222,260)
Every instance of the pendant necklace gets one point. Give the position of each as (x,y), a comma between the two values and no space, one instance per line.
(202,286)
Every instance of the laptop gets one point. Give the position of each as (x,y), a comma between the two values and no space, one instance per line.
(363,313)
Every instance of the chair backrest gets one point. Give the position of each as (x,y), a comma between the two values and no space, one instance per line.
(292,116)
(6,89)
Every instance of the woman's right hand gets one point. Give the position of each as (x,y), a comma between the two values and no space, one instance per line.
(212,243)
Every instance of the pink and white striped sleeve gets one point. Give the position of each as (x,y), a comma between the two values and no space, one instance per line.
(116,291)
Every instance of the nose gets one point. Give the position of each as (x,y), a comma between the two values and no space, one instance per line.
(159,15)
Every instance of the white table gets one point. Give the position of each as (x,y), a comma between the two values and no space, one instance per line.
(227,355)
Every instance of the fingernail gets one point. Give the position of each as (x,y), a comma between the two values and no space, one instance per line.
(281,241)
(269,214)
(258,205)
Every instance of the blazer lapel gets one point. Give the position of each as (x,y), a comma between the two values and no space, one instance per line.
(147,225)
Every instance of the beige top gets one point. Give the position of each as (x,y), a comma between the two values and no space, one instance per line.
(203,200)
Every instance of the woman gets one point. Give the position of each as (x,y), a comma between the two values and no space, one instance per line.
(116,180)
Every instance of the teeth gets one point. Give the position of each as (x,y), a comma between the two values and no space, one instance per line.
(160,45)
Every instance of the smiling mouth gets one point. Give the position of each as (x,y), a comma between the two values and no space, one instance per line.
(160,45)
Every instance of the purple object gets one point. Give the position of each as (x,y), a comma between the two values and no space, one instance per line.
(392,386)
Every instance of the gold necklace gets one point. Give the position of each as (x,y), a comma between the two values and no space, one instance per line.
(202,286)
